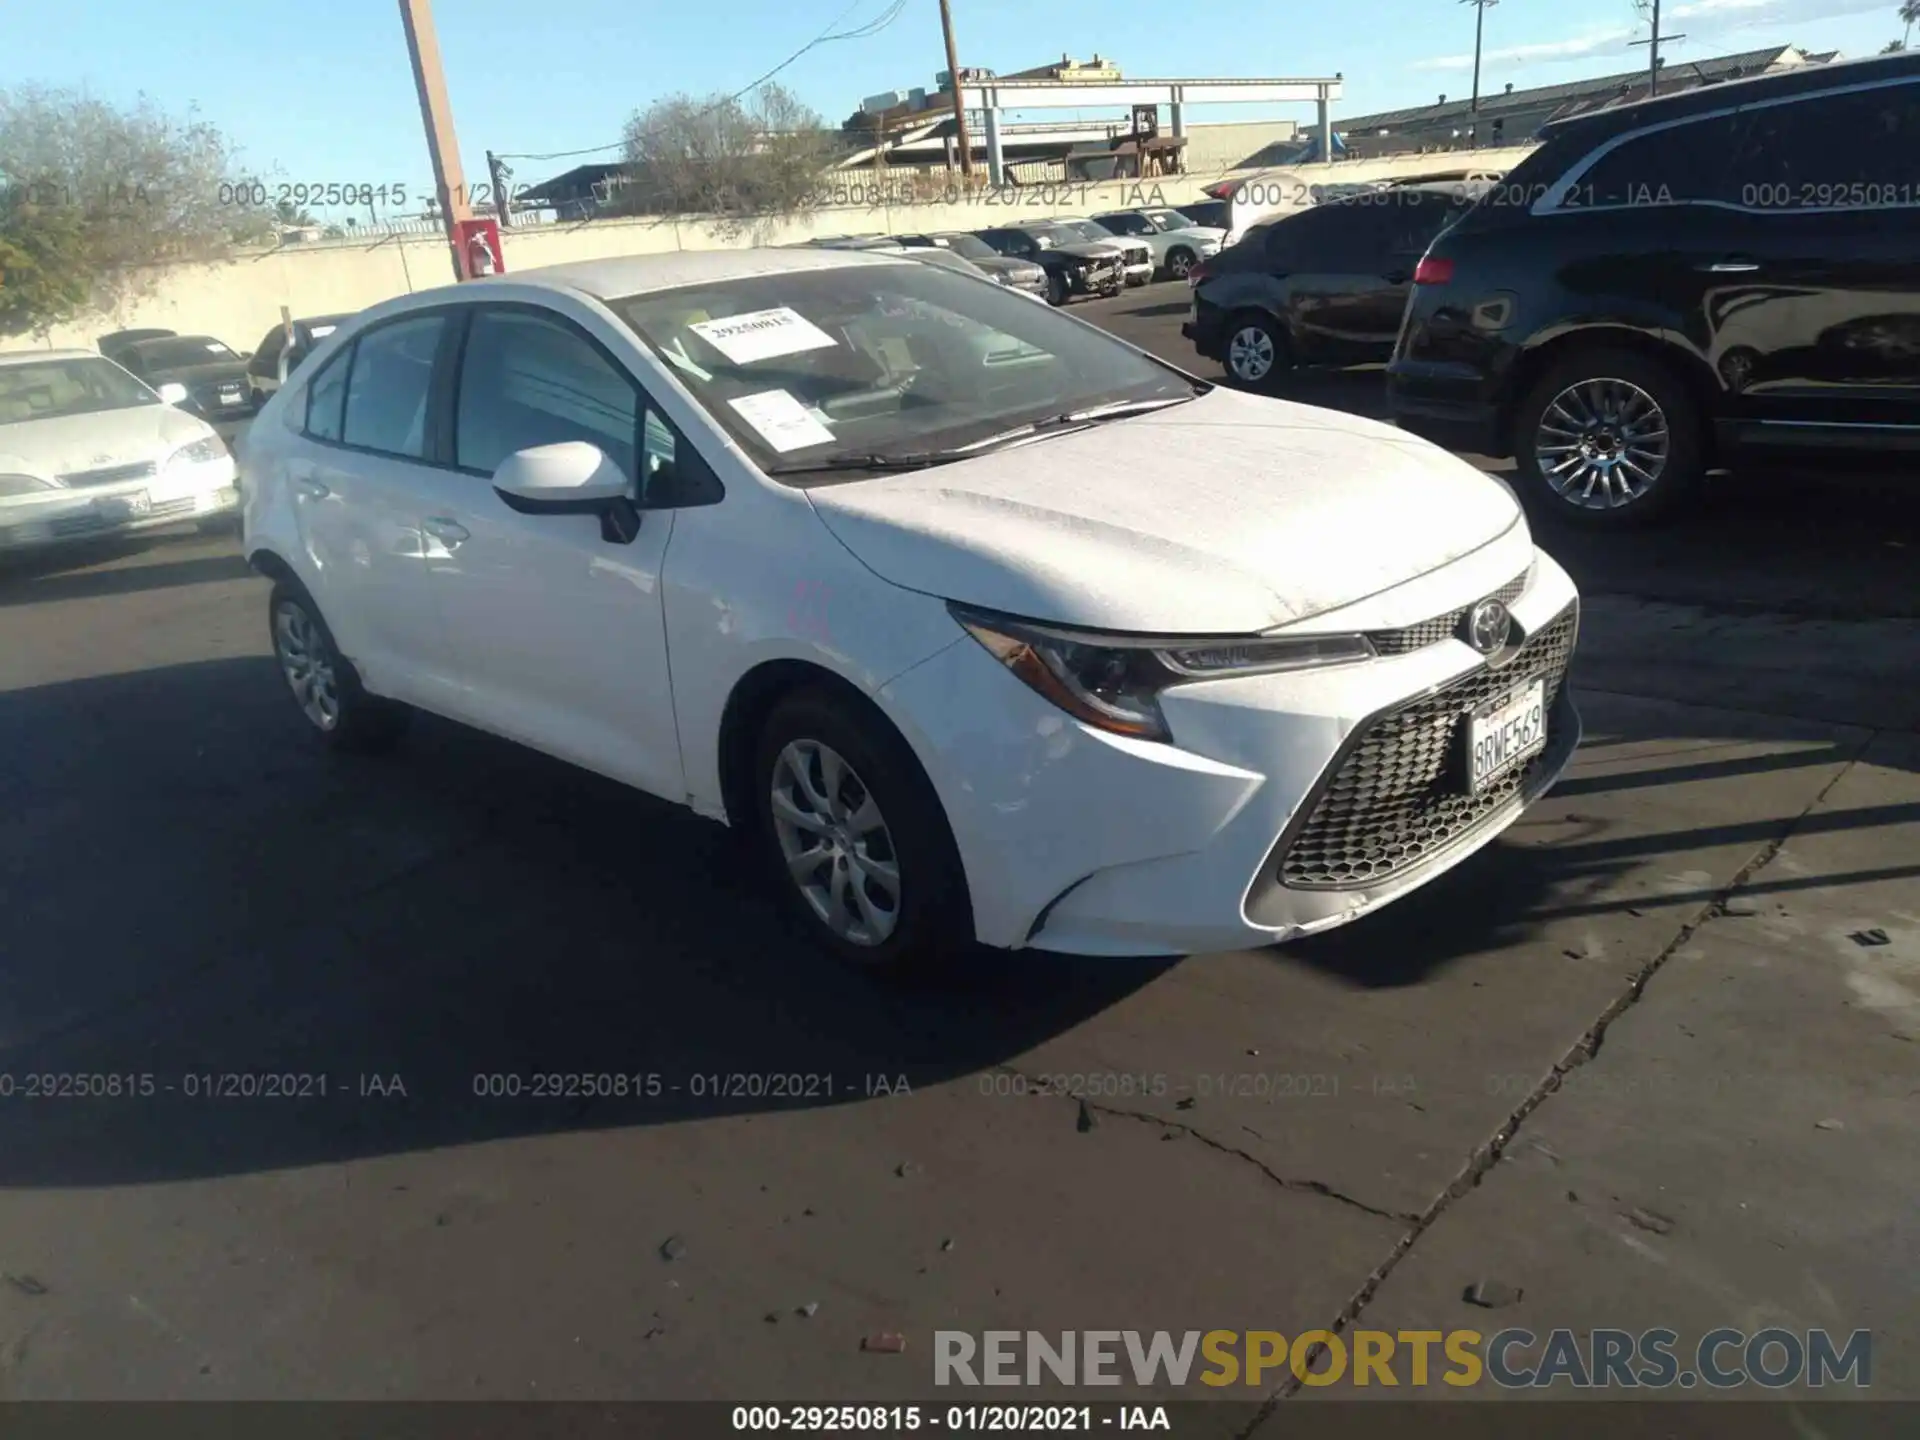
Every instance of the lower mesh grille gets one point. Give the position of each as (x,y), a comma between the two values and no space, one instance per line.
(1398,796)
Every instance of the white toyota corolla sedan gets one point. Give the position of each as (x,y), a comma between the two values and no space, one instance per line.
(981,623)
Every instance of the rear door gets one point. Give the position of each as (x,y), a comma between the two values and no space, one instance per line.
(359,480)
(1818,327)
(1334,259)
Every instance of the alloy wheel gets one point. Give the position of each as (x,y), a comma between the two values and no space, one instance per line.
(1179,263)
(306,660)
(837,848)
(1602,444)
(1250,354)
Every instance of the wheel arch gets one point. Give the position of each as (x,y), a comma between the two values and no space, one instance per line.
(1702,385)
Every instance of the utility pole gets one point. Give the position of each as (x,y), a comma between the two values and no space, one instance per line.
(450,185)
(499,174)
(1479,29)
(959,99)
(1652,42)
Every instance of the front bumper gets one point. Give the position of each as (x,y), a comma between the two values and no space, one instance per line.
(1104,278)
(1078,841)
(181,495)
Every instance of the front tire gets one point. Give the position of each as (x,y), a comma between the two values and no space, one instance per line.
(1608,439)
(1057,288)
(854,839)
(1256,351)
(1180,260)
(323,682)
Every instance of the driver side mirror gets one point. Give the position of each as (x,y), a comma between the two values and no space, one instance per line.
(571,478)
(173,392)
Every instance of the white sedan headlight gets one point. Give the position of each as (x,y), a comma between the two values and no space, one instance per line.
(1114,682)
(199,452)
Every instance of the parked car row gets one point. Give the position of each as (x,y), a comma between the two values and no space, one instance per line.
(1067,258)
(1661,289)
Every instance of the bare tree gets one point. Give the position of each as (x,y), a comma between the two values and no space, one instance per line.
(734,158)
(98,196)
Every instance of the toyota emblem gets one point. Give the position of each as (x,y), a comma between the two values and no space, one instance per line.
(1488,625)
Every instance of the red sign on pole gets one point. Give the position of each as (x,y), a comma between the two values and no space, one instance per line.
(480,252)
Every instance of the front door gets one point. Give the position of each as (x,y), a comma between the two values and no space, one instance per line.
(1823,346)
(558,633)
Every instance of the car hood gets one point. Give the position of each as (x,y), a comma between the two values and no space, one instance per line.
(1087,250)
(1231,514)
(1199,235)
(49,448)
(1006,265)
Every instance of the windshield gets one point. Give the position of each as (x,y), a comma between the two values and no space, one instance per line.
(53,389)
(180,352)
(968,247)
(1086,229)
(1168,220)
(868,360)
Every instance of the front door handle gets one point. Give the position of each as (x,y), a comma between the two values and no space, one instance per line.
(1732,267)
(446,531)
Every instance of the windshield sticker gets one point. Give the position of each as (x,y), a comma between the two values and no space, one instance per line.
(762,335)
(320,332)
(217,348)
(782,421)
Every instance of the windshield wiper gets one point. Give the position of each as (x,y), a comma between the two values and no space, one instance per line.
(1118,409)
(910,460)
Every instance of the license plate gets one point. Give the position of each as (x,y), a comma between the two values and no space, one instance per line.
(1506,733)
(123,507)
(229,397)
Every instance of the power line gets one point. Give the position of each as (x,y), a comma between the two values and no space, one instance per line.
(826,37)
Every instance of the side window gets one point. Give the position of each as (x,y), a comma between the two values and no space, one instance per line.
(1128,224)
(1792,160)
(326,398)
(1662,167)
(387,387)
(526,380)
(266,355)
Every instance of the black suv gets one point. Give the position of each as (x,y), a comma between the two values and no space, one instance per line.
(1729,271)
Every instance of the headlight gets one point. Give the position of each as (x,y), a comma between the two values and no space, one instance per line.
(212,447)
(13,486)
(1114,682)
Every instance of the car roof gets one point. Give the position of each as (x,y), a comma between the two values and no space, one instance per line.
(174,340)
(1726,94)
(28,357)
(618,277)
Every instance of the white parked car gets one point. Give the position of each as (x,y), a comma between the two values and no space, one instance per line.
(981,623)
(1176,242)
(88,450)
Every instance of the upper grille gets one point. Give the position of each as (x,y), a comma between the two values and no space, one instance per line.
(1399,795)
(1432,632)
(110,474)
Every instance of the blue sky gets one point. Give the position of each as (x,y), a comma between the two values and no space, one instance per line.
(323,93)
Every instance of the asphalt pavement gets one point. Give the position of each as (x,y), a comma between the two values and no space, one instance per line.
(1651,1060)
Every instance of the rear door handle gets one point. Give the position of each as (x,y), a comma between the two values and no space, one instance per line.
(1732,267)
(446,531)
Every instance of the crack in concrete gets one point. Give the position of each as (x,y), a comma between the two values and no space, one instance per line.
(1487,1154)
(1285,1182)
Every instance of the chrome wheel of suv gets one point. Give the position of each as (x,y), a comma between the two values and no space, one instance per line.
(1602,443)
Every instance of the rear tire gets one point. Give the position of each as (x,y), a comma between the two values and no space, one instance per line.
(324,685)
(1609,439)
(854,839)
(1256,350)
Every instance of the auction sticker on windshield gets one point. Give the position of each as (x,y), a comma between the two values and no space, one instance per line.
(1506,733)
(762,334)
(782,421)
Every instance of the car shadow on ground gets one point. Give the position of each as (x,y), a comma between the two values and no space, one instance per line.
(194,892)
(49,581)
